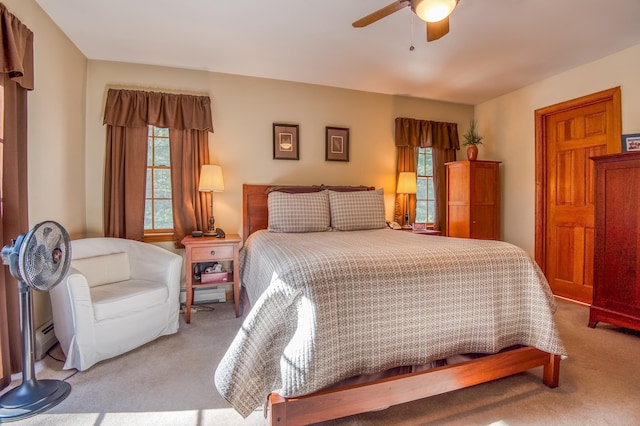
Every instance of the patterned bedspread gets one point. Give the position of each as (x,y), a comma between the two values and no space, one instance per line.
(331,305)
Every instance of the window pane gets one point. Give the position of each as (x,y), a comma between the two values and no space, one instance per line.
(148,184)
(421,188)
(161,183)
(149,151)
(421,211)
(161,153)
(148,212)
(421,162)
(163,216)
(431,195)
(431,212)
(157,131)
(429,163)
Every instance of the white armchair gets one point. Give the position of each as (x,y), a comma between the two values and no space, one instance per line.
(118,294)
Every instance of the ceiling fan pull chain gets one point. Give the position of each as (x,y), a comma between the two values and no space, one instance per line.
(411,47)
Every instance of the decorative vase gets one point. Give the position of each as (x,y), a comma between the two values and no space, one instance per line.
(472,152)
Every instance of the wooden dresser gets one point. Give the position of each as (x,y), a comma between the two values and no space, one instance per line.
(473,199)
(616,281)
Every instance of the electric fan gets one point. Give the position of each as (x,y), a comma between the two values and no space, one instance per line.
(38,259)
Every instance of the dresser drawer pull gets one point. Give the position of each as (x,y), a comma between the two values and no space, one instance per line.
(213,252)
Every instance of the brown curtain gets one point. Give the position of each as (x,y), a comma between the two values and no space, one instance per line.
(127,115)
(124,182)
(443,139)
(189,151)
(16,68)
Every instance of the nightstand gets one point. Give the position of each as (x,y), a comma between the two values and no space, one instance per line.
(421,231)
(206,250)
(427,232)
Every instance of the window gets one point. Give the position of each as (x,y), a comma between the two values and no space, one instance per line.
(425,194)
(158,212)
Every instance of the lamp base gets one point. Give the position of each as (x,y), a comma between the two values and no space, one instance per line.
(211,232)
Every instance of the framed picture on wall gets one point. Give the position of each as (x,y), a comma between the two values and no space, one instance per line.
(631,142)
(286,141)
(337,144)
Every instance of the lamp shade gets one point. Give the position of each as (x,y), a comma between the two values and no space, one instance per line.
(433,10)
(407,183)
(211,179)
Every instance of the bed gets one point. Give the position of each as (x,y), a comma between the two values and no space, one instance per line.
(341,298)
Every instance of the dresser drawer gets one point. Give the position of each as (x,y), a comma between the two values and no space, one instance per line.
(218,252)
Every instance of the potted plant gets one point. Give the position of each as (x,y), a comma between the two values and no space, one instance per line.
(472,138)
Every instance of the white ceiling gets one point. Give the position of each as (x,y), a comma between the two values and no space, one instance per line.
(494,47)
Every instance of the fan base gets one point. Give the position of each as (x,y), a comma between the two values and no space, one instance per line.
(32,397)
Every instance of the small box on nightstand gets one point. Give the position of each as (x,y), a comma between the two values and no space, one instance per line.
(214,277)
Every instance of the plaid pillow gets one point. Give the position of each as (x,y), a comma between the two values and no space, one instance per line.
(306,212)
(351,211)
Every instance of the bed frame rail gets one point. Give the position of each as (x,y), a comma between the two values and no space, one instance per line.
(342,402)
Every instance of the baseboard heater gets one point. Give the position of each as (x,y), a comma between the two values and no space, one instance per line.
(204,295)
(45,339)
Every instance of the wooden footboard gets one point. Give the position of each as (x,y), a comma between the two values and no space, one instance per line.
(346,401)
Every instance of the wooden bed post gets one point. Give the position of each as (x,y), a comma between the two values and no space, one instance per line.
(277,410)
(551,371)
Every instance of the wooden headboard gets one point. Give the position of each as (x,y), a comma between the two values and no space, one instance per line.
(255,212)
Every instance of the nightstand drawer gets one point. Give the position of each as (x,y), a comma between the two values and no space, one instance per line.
(217,252)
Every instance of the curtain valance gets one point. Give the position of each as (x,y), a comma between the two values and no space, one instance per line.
(424,134)
(134,108)
(16,49)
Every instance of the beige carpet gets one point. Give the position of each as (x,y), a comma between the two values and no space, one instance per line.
(170,382)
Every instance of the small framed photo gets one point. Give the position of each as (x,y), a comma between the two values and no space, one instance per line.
(337,144)
(286,142)
(631,142)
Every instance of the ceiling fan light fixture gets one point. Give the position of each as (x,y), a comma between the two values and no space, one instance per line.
(433,10)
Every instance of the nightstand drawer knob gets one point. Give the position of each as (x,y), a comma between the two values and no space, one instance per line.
(213,252)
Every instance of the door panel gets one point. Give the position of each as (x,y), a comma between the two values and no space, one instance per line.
(571,135)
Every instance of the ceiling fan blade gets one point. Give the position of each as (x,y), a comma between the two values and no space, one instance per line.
(435,30)
(381,13)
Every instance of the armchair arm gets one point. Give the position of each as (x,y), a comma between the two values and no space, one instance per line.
(153,263)
(72,308)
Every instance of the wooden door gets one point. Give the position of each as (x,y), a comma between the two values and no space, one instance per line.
(569,134)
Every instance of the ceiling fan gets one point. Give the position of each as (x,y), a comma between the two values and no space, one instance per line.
(434,12)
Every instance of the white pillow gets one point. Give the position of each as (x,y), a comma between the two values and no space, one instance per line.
(352,211)
(300,212)
(105,269)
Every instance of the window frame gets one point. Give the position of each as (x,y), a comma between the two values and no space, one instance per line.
(421,153)
(156,234)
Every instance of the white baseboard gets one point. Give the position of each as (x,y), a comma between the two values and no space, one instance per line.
(45,339)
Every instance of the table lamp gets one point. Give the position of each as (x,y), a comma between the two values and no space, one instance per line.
(211,181)
(406,185)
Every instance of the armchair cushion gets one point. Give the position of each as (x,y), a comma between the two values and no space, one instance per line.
(104,269)
(125,297)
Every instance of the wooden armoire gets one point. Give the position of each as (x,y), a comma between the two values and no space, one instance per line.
(473,199)
(616,280)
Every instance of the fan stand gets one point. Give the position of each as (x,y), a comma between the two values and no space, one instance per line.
(32,396)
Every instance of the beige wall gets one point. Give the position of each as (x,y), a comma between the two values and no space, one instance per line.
(244,110)
(507,124)
(56,126)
